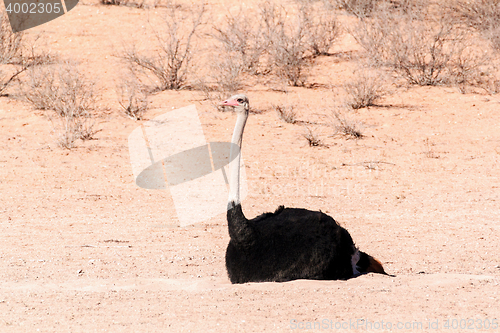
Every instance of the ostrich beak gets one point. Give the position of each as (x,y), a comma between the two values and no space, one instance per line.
(229,102)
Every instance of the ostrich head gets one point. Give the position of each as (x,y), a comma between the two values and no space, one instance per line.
(238,102)
(364,263)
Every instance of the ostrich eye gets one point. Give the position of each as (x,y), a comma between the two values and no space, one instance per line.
(240,100)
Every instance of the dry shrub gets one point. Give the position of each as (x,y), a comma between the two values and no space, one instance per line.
(473,67)
(364,90)
(286,113)
(73,127)
(276,39)
(344,126)
(312,137)
(484,16)
(288,56)
(12,64)
(224,79)
(169,64)
(213,95)
(11,44)
(140,3)
(366,8)
(238,52)
(16,49)
(240,38)
(359,8)
(323,29)
(64,90)
(414,50)
(133,99)
(61,88)
(8,76)
(294,39)
(20,60)
(421,48)
(228,76)
(129,3)
(286,42)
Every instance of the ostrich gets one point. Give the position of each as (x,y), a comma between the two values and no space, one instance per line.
(289,244)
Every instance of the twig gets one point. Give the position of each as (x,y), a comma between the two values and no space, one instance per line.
(367,162)
(87,245)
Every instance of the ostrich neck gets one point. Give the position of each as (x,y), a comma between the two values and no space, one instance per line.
(235,156)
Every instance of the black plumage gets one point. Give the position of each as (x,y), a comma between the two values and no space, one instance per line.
(289,244)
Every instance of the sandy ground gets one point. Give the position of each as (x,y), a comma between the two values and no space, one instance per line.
(83,249)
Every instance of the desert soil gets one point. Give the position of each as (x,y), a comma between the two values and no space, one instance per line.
(83,249)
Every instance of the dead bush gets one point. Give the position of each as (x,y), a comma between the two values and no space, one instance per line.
(72,127)
(364,90)
(312,137)
(20,61)
(133,99)
(421,51)
(223,79)
(240,37)
(7,76)
(212,93)
(129,3)
(11,44)
(359,8)
(15,55)
(62,88)
(344,126)
(141,3)
(286,113)
(291,65)
(277,39)
(366,8)
(294,39)
(323,29)
(286,43)
(484,16)
(473,68)
(169,64)
(228,74)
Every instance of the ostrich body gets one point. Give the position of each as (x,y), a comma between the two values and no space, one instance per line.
(289,244)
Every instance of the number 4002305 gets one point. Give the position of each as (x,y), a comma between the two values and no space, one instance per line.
(34,8)
(464,324)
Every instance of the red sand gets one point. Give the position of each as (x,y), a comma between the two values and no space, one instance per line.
(83,249)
